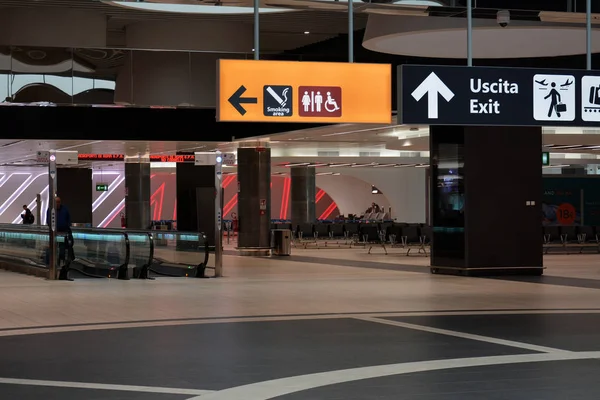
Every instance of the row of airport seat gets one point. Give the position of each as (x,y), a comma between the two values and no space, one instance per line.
(371,232)
(571,239)
(571,234)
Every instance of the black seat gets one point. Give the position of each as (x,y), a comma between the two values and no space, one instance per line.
(426,233)
(370,233)
(568,234)
(352,228)
(551,234)
(306,229)
(395,230)
(336,230)
(586,234)
(385,227)
(411,233)
(321,230)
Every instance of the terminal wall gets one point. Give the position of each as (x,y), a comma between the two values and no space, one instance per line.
(351,194)
(405,189)
(348,193)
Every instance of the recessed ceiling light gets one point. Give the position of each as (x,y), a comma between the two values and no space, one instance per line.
(306,32)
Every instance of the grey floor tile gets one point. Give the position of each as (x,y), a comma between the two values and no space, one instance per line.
(22,392)
(536,381)
(217,356)
(575,332)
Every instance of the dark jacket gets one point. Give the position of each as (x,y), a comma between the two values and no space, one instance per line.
(28,217)
(63,219)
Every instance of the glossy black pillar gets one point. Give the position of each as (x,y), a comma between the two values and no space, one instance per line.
(74,187)
(137,195)
(486,192)
(303,192)
(254,198)
(196,199)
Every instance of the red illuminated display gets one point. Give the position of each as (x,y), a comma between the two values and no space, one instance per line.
(101,157)
(121,157)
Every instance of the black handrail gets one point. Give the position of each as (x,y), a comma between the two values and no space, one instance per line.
(201,268)
(144,272)
(123,272)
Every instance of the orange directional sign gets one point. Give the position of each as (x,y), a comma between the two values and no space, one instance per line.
(290,91)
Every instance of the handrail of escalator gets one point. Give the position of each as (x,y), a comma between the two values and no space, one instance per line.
(122,270)
(144,271)
(200,269)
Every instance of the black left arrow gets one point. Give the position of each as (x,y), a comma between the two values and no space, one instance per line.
(237,100)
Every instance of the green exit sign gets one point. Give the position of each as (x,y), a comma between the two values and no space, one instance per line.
(545,158)
(101,187)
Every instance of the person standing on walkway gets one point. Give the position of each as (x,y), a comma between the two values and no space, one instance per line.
(63,226)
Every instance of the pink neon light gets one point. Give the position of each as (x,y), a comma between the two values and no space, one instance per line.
(157,215)
(328,211)
(114,215)
(285,198)
(319,195)
(230,204)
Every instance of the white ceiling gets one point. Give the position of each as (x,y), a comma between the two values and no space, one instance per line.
(346,143)
(440,37)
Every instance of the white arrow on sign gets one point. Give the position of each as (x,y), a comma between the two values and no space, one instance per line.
(432,86)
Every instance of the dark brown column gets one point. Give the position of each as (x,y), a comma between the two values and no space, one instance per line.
(486,185)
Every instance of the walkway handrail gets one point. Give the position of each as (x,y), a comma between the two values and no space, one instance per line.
(144,255)
(122,271)
(200,268)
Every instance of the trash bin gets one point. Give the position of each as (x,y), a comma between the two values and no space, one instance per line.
(281,242)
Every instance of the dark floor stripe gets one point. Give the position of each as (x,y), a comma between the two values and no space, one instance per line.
(554,280)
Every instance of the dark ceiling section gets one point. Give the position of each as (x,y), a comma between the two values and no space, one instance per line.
(336,49)
(482,13)
(97,123)
(533,5)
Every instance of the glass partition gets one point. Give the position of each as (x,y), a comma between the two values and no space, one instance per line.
(103,253)
(24,244)
(179,253)
(140,254)
(97,252)
(56,76)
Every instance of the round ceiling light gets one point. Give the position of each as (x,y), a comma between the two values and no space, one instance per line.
(192,8)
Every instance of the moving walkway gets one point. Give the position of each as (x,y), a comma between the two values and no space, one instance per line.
(104,253)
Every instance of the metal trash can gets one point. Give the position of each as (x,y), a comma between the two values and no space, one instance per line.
(281,242)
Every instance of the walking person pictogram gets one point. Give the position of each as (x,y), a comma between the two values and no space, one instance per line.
(555,99)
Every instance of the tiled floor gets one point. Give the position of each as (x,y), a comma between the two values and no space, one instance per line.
(321,324)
